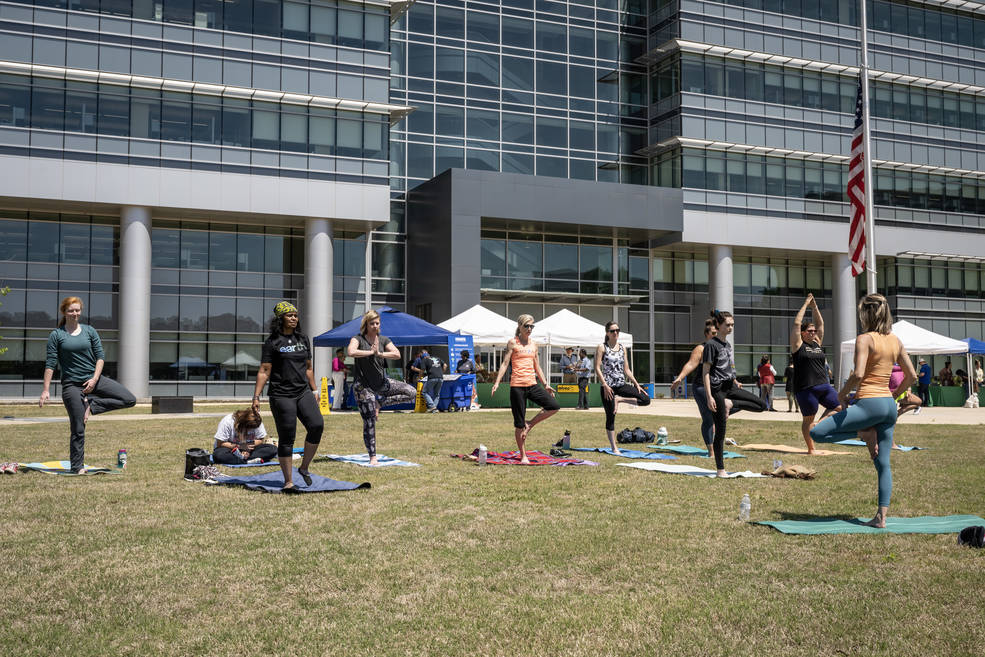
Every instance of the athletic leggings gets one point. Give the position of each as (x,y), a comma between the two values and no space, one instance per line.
(287,411)
(226,456)
(395,392)
(742,400)
(625,390)
(108,395)
(870,412)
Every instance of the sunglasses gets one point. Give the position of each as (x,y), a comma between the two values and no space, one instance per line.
(529,327)
(612,331)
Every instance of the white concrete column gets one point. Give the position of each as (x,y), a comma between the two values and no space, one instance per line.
(720,283)
(844,314)
(134,299)
(318,272)
(369,273)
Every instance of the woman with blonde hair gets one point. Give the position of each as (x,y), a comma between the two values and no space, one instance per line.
(370,350)
(876,350)
(76,350)
(521,354)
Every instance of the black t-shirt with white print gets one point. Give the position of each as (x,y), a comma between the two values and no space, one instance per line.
(719,354)
(288,356)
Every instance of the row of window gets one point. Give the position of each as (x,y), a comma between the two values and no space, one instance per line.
(716,76)
(52,104)
(323,21)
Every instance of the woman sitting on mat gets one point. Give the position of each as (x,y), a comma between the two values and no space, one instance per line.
(239,440)
(370,350)
(521,354)
(811,384)
(76,350)
(613,372)
(876,349)
(718,376)
(698,387)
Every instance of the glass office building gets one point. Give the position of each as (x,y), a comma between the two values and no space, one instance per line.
(181,165)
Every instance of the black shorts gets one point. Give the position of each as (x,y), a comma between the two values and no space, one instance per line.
(535,393)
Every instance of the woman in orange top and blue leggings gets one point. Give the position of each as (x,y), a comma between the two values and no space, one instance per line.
(876,350)
(521,354)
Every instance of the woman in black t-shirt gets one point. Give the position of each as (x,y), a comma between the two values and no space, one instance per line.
(370,349)
(286,362)
(811,385)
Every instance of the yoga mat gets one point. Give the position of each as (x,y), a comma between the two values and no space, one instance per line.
(513,458)
(920,525)
(861,443)
(688,470)
(65,468)
(693,451)
(271,482)
(787,449)
(363,460)
(627,453)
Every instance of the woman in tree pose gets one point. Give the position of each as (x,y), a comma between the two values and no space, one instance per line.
(612,370)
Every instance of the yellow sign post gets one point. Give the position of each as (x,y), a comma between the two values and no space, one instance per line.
(324,403)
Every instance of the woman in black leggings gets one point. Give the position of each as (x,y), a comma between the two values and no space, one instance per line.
(612,369)
(718,376)
(370,349)
(286,362)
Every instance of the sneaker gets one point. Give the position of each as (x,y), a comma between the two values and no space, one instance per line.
(433,410)
(729,441)
(917,412)
(256,460)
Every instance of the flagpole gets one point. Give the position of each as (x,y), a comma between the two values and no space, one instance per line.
(870,221)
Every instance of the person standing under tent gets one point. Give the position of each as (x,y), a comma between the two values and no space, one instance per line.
(811,383)
(435,370)
(370,351)
(583,370)
(285,361)
(923,381)
(521,356)
(76,350)
(718,376)
(876,349)
(618,383)
(569,363)
(338,379)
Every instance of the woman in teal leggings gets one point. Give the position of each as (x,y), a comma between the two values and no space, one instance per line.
(876,350)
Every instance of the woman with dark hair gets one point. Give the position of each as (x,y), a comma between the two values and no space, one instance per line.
(239,439)
(370,349)
(521,355)
(876,349)
(767,378)
(698,387)
(286,362)
(76,350)
(811,384)
(718,376)
(584,370)
(613,371)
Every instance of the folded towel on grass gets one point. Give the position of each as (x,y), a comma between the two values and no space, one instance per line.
(363,459)
(861,443)
(627,453)
(787,449)
(271,482)
(693,451)
(65,468)
(920,525)
(688,470)
(513,458)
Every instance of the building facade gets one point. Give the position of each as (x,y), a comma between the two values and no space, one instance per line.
(182,165)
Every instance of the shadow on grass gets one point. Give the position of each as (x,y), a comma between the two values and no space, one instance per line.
(809,517)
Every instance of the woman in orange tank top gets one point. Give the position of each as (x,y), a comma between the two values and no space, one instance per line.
(876,350)
(521,353)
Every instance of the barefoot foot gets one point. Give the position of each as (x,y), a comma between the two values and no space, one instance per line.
(524,461)
(373,460)
(721,473)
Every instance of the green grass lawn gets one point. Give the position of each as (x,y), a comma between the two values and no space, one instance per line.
(453,559)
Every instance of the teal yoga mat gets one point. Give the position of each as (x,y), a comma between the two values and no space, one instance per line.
(861,443)
(693,451)
(921,525)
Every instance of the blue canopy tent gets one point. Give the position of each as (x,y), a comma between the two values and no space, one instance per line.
(974,346)
(405,331)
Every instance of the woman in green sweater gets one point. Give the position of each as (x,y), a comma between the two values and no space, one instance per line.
(77,350)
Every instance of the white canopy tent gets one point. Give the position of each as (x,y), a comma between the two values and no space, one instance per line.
(917,342)
(485,326)
(240,361)
(567,329)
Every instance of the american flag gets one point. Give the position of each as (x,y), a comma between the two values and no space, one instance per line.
(856,189)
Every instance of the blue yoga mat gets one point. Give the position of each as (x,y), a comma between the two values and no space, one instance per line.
(920,525)
(271,482)
(861,443)
(628,453)
(693,451)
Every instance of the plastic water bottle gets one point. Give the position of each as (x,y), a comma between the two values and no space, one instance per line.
(745,506)
(121,459)
(662,436)
(777,464)
(483,453)
(566,439)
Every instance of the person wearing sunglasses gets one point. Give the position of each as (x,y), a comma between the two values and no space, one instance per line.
(698,387)
(612,370)
(521,355)
(811,385)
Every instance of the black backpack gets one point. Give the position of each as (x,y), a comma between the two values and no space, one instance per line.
(973,536)
(195,457)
